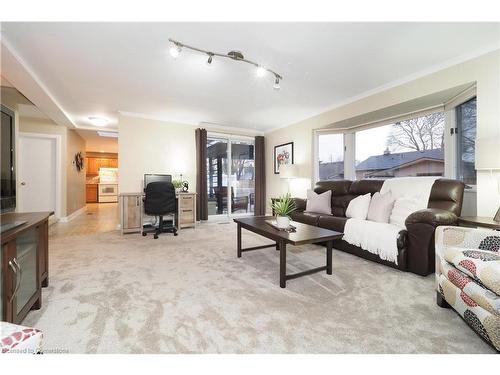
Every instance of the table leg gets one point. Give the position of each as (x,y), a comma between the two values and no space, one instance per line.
(329,246)
(282,246)
(238,240)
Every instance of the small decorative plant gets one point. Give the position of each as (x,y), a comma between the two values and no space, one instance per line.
(283,207)
(177,184)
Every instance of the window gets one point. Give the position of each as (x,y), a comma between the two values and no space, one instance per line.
(411,147)
(330,156)
(466,141)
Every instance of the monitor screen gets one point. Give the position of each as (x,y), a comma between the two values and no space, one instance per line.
(156,178)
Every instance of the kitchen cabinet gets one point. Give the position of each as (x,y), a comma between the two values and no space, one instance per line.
(113,163)
(94,163)
(91,193)
(24,264)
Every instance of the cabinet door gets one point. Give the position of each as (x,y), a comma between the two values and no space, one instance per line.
(27,274)
(131,212)
(113,163)
(103,163)
(92,166)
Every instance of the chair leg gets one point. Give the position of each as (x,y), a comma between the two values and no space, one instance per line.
(441,302)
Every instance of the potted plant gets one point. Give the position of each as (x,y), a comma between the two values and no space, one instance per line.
(177,185)
(283,207)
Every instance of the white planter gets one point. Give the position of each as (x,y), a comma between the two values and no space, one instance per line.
(282,221)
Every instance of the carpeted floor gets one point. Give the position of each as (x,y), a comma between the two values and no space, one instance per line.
(190,294)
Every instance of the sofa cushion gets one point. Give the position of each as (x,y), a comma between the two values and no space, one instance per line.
(404,207)
(481,265)
(310,218)
(358,207)
(332,222)
(320,203)
(380,207)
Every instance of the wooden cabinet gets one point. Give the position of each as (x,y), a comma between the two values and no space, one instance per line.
(91,193)
(131,212)
(94,163)
(24,264)
(186,211)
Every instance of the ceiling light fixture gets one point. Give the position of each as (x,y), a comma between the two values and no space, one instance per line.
(107,134)
(175,50)
(261,71)
(98,121)
(176,47)
(277,84)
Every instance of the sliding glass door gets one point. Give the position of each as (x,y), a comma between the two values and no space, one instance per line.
(230,175)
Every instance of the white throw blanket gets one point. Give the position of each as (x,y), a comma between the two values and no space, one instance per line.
(377,238)
(381,238)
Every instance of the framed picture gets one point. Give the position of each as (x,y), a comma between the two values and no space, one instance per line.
(283,155)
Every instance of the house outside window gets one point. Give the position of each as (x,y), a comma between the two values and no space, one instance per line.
(413,147)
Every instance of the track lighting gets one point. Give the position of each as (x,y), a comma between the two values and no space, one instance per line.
(175,50)
(276,83)
(176,47)
(260,71)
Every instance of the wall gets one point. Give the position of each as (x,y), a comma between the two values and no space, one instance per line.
(484,70)
(75,180)
(72,191)
(152,146)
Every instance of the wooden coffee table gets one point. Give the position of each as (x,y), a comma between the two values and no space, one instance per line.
(305,234)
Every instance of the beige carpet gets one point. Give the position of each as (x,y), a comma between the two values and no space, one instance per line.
(190,294)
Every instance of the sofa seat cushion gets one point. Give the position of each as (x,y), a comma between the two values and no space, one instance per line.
(19,339)
(478,293)
(486,324)
(310,218)
(332,222)
(481,265)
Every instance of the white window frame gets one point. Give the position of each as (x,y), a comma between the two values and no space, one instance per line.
(315,159)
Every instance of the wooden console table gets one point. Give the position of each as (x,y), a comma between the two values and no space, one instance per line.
(24,264)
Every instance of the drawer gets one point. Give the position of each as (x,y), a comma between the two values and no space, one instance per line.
(186,201)
(186,217)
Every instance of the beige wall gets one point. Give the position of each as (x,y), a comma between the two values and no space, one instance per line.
(72,189)
(75,180)
(483,70)
(152,146)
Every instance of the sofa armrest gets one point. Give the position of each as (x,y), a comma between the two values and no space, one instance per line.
(432,216)
(300,204)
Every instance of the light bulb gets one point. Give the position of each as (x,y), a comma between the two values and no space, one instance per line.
(260,71)
(276,84)
(209,61)
(175,51)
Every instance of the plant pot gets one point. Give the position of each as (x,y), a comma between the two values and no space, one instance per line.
(282,222)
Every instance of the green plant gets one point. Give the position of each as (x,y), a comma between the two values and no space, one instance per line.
(177,184)
(284,205)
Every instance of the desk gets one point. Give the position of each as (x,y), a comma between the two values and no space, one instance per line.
(132,211)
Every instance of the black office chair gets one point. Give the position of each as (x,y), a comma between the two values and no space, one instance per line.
(160,201)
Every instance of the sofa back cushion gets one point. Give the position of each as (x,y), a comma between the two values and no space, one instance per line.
(362,187)
(447,195)
(340,194)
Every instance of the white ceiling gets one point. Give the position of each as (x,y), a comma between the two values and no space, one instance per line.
(96,143)
(105,68)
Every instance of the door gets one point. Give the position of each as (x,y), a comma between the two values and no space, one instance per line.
(230,175)
(37,174)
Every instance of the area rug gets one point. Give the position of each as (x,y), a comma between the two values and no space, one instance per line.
(110,293)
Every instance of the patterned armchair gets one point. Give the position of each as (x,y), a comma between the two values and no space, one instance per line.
(19,339)
(468,277)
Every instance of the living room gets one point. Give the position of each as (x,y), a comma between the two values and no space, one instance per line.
(327,187)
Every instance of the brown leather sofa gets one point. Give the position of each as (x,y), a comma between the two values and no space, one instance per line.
(415,244)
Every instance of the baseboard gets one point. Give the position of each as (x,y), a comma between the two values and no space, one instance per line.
(68,218)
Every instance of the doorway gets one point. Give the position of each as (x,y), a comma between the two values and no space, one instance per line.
(39,173)
(230,175)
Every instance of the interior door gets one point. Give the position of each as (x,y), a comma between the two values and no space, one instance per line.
(37,174)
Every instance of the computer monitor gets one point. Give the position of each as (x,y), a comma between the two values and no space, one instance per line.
(148,178)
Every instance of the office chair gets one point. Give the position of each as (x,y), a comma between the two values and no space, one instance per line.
(160,201)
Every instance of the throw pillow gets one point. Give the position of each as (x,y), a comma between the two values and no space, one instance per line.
(403,207)
(358,207)
(319,203)
(380,207)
